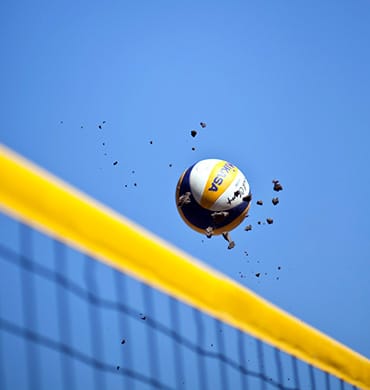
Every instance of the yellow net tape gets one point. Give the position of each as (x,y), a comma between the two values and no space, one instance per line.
(45,202)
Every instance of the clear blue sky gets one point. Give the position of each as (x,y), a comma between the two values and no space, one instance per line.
(284,88)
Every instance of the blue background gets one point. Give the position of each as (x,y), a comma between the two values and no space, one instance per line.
(284,88)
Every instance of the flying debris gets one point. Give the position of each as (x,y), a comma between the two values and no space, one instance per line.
(213,197)
(193,133)
(219,216)
(226,236)
(183,199)
(277,186)
(259,202)
(275,201)
(203,125)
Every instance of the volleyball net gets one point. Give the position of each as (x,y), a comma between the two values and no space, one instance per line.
(90,300)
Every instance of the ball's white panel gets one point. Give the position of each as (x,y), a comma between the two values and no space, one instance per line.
(199,176)
(234,194)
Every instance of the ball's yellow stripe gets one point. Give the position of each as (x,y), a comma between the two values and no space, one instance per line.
(213,191)
(43,201)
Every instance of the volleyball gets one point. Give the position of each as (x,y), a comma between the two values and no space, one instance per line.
(214,194)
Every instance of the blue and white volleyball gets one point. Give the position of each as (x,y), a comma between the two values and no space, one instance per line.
(213,194)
